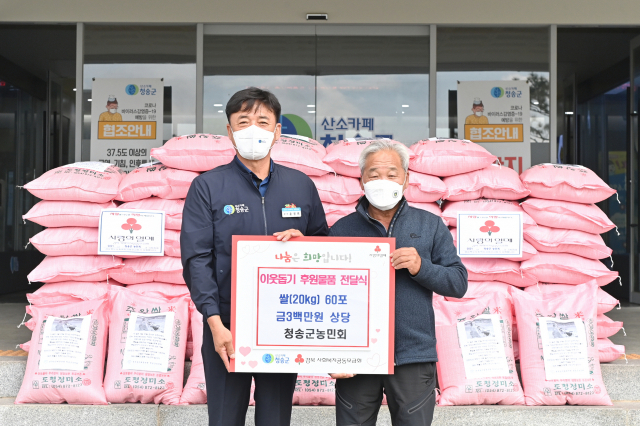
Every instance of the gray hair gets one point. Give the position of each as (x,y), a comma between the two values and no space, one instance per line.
(382,145)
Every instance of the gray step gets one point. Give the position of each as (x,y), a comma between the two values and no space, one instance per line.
(620,378)
(620,414)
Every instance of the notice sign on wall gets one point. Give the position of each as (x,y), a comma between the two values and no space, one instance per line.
(494,234)
(126,120)
(495,114)
(313,304)
(131,232)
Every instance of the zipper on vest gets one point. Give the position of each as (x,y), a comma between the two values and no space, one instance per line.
(264,215)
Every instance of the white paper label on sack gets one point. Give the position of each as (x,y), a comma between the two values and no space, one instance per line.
(97,166)
(564,347)
(148,342)
(64,343)
(127,232)
(482,345)
(494,234)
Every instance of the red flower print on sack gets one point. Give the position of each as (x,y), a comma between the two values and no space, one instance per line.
(131,225)
(490,227)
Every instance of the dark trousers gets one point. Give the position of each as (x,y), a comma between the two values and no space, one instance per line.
(410,396)
(228,393)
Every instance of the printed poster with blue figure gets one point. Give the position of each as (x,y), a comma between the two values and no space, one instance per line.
(126,120)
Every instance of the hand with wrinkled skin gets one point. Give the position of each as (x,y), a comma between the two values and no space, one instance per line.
(406,257)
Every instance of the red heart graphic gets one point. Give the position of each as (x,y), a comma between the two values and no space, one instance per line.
(242,362)
(374,340)
(245,350)
(377,330)
(253,364)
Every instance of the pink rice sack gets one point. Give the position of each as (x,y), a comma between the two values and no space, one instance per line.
(75,268)
(171,243)
(431,208)
(195,390)
(577,304)
(567,215)
(69,292)
(336,189)
(424,188)
(314,390)
(300,153)
(608,351)
(506,271)
(448,157)
(91,181)
(56,214)
(527,249)
(156,289)
(68,241)
(140,385)
(455,387)
(566,182)
(565,268)
(147,269)
(608,327)
(556,240)
(198,153)
(342,156)
(450,209)
(155,180)
(52,386)
(335,212)
(172,209)
(495,181)
(479,289)
(605,301)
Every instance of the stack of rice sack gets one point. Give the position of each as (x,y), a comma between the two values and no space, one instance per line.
(562,202)
(77,284)
(474,183)
(339,193)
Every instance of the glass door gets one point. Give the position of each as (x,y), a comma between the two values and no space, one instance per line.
(632,190)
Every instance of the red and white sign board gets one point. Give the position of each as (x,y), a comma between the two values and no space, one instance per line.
(313,304)
(494,234)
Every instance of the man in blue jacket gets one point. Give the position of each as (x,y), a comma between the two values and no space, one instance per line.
(244,197)
(425,261)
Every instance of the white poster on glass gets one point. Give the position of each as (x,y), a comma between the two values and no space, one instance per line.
(495,114)
(126,120)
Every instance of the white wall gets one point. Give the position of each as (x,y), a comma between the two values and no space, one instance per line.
(466,12)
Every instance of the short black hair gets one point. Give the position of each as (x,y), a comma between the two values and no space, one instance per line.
(248,99)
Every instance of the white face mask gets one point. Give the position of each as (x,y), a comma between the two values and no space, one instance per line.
(113,110)
(253,143)
(383,194)
(478,113)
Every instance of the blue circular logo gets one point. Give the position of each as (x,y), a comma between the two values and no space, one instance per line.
(229,209)
(497,92)
(267,358)
(131,89)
